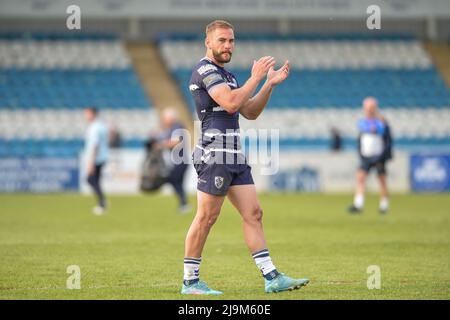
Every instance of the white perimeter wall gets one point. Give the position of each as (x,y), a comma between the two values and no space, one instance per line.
(336,171)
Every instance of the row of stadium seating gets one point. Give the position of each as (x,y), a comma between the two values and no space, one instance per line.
(44,132)
(69,124)
(72,147)
(111,88)
(58,73)
(291,123)
(332,88)
(62,54)
(309,54)
(405,123)
(51,147)
(264,37)
(73,35)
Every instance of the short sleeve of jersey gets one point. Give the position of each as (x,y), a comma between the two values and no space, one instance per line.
(209,76)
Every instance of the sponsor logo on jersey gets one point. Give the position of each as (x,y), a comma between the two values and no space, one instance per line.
(212,79)
(206,68)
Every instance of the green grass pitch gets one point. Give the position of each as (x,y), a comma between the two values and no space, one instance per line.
(136,250)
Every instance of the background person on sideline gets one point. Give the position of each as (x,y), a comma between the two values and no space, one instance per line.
(170,123)
(374,148)
(336,140)
(96,151)
(114,137)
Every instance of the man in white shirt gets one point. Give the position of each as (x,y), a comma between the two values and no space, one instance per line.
(96,151)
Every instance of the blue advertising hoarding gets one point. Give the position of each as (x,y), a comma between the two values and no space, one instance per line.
(430,172)
(43,174)
(304,179)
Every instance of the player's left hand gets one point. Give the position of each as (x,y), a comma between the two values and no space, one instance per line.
(275,77)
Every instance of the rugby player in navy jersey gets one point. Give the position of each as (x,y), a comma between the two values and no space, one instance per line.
(374,149)
(218,159)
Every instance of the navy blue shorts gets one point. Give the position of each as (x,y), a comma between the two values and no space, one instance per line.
(368,163)
(216,179)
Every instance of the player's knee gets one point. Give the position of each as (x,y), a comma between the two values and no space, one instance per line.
(207,219)
(255,215)
(259,214)
(210,221)
(361,177)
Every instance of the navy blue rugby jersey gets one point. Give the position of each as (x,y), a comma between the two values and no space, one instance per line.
(220,129)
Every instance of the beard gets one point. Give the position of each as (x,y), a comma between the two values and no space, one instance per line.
(221,56)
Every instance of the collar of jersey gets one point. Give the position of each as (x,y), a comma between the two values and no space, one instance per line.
(206,58)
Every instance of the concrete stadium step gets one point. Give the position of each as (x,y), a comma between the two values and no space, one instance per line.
(440,54)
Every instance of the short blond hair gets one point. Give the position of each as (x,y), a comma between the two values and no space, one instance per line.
(216,24)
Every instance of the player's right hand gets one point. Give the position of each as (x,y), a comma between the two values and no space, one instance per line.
(262,66)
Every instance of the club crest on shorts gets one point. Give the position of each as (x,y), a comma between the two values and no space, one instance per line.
(218,182)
